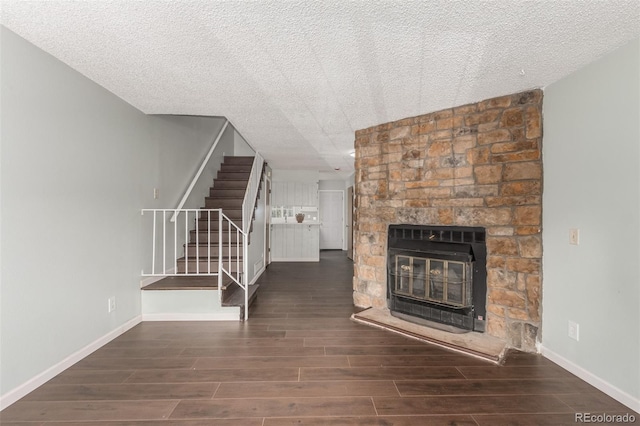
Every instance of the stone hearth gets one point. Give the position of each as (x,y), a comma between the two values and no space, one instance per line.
(473,165)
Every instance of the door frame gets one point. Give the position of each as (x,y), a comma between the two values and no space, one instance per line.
(349,221)
(267,221)
(343,192)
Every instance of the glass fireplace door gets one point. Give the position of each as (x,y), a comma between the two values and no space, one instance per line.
(436,280)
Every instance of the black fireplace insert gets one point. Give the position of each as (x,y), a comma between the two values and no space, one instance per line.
(438,274)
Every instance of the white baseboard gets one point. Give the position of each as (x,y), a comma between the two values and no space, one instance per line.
(296,259)
(606,387)
(232,315)
(258,274)
(15,394)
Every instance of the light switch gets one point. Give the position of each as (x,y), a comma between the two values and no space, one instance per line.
(574,236)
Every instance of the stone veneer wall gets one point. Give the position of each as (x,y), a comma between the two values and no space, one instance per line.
(474,165)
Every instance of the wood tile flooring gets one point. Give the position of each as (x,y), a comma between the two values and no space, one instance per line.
(299,360)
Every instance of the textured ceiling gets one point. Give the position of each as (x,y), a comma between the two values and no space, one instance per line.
(297,78)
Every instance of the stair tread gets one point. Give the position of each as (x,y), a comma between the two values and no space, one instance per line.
(212,258)
(214,243)
(205,282)
(238,159)
(234,178)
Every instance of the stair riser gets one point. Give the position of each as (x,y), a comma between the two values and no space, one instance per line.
(204,265)
(245,168)
(202,226)
(223,203)
(238,160)
(202,250)
(213,225)
(230,184)
(232,176)
(234,214)
(227,193)
(204,237)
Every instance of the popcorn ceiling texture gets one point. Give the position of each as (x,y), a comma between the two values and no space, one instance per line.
(298,78)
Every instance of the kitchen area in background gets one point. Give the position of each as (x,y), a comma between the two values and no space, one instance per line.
(295,228)
(307,215)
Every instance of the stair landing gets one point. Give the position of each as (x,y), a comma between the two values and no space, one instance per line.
(184,283)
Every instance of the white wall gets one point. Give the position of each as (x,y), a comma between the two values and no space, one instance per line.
(182,142)
(591,156)
(241,146)
(77,165)
(279,175)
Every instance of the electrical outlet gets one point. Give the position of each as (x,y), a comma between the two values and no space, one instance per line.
(574,330)
(112,304)
(574,236)
(156,193)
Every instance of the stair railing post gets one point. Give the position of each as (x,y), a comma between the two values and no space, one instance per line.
(220,255)
(164,241)
(175,244)
(208,241)
(153,248)
(245,270)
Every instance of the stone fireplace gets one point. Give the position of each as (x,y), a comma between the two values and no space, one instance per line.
(476,165)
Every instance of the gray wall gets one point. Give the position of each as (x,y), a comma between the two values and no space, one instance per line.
(592,182)
(182,142)
(241,146)
(77,165)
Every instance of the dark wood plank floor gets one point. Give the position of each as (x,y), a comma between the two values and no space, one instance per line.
(299,360)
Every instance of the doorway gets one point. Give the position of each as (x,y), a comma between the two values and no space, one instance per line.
(349,224)
(331,213)
(267,224)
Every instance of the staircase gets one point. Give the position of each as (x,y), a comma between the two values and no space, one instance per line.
(200,256)
(227,194)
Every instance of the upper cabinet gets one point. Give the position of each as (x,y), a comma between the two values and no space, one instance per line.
(294,194)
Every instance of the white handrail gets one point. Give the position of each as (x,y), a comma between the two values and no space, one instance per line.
(250,196)
(248,205)
(200,170)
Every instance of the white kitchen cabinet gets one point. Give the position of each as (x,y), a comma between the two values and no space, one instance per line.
(309,194)
(277,242)
(295,242)
(294,194)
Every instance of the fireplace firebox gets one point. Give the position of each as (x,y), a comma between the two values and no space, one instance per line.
(438,274)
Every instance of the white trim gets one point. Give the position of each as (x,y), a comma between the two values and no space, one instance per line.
(230,314)
(267,220)
(297,259)
(606,387)
(257,275)
(30,385)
